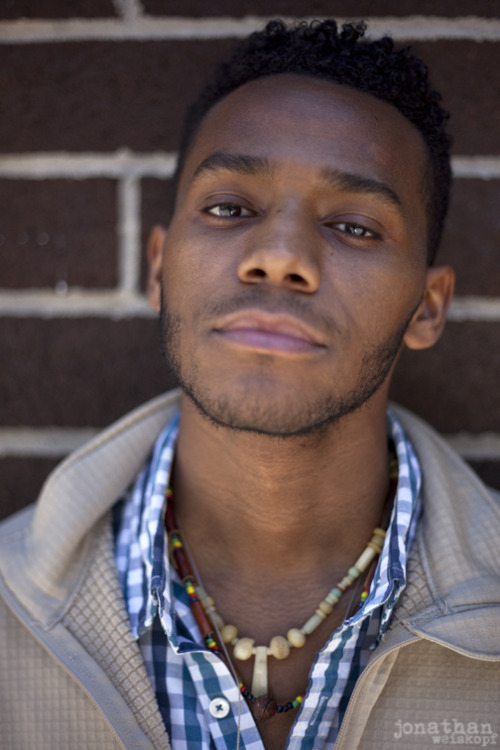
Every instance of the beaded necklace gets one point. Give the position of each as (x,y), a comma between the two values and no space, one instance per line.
(212,625)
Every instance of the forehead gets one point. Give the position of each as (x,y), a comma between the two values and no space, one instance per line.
(307,122)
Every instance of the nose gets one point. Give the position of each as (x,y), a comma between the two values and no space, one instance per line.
(282,251)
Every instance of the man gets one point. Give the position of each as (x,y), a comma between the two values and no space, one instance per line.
(333,572)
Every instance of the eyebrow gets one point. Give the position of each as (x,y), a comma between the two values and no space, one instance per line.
(262,167)
(239,163)
(354,183)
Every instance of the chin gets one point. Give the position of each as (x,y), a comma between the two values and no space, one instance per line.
(274,417)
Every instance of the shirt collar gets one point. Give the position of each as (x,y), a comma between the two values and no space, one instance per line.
(145,570)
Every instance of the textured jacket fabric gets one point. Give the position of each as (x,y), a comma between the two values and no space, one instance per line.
(71,675)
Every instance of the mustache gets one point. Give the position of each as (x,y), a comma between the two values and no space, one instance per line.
(278,303)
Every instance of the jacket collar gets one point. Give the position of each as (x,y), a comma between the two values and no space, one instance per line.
(459,550)
(44,563)
(457,546)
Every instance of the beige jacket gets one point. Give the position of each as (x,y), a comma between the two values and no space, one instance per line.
(71,676)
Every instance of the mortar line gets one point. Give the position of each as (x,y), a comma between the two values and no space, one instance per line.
(173,28)
(161,164)
(129,234)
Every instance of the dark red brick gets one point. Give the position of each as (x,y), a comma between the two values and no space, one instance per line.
(156,209)
(471,240)
(489,471)
(80,372)
(101,96)
(467,74)
(57,231)
(14,9)
(22,479)
(454,386)
(322,8)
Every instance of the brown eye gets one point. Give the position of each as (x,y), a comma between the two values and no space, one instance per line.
(228,211)
(355,230)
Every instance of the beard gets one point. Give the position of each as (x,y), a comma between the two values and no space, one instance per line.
(283,417)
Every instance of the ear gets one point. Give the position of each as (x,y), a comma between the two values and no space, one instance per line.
(155,263)
(428,322)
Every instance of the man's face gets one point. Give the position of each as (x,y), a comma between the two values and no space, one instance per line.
(295,259)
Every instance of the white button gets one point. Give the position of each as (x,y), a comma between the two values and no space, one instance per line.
(219,708)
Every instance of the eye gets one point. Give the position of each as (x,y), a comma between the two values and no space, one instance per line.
(228,211)
(356,230)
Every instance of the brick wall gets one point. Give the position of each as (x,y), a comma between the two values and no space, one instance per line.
(91,98)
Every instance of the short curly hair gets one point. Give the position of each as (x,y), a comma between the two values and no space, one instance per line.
(321,50)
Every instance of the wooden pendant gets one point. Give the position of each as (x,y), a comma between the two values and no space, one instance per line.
(264,708)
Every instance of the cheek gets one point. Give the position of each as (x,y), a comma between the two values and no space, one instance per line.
(198,259)
(379,298)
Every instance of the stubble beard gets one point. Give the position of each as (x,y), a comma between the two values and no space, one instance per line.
(283,420)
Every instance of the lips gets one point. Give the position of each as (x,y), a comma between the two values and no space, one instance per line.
(258,330)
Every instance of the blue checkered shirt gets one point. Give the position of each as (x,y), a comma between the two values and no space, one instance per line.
(187,678)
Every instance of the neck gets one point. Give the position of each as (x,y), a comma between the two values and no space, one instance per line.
(249,503)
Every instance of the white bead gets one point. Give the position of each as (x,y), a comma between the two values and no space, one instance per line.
(217,620)
(243,649)
(296,637)
(325,607)
(376,547)
(200,591)
(366,558)
(312,623)
(378,536)
(229,633)
(279,647)
(332,598)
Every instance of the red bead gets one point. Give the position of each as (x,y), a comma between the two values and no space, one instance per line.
(182,564)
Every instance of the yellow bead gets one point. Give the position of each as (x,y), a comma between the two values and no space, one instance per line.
(243,649)
(296,637)
(279,647)
(229,633)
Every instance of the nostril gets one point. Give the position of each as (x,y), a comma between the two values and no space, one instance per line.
(257,273)
(296,279)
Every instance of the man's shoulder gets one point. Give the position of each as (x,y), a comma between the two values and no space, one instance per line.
(42,547)
(460,522)
(130,433)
